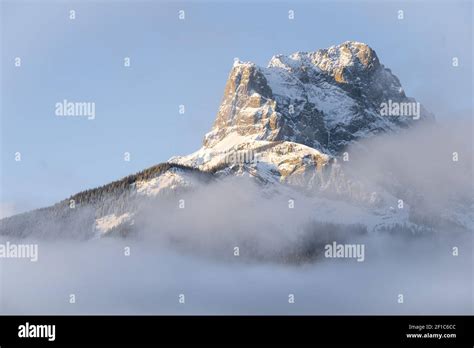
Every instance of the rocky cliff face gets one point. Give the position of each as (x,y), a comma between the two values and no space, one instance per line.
(323,99)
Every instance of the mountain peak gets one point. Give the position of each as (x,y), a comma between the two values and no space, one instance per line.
(336,61)
(350,54)
(324,99)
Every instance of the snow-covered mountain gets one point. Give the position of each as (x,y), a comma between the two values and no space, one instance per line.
(285,126)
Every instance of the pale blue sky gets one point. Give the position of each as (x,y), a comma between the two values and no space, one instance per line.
(184,62)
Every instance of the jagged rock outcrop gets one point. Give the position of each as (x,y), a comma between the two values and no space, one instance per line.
(323,99)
